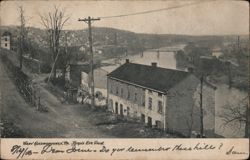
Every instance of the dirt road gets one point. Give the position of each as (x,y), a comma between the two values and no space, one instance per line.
(62,120)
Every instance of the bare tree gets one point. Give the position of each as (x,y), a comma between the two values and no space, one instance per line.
(65,57)
(236,115)
(54,23)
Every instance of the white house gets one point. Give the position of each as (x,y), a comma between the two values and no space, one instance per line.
(6,40)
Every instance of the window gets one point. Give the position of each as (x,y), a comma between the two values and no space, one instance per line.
(128,111)
(6,39)
(110,89)
(160,94)
(121,92)
(160,106)
(6,44)
(128,95)
(135,97)
(117,91)
(150,103)
(143,104)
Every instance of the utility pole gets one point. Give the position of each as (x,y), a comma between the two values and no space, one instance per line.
(238,42)
(39,63)
(201,107)
(21,36)
(89,21)
(115,41)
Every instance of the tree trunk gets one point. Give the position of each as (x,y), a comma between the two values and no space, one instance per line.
(54,62)
(21,54)
(54,71)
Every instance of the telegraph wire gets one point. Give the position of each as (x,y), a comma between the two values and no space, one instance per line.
(151,11)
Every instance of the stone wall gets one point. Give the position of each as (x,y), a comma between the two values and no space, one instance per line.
(130,92)
(180,105)
(153,113)
(121,93)
(183,107)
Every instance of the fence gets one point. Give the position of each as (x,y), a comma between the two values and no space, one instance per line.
(23,83)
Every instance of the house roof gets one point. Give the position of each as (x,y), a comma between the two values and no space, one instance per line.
(153,77)
(6,33)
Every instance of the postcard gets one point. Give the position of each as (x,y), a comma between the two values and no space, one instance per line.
(124,79)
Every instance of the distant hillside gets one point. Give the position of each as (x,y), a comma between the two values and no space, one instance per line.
(130,40)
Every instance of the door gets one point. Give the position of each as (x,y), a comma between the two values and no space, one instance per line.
(158,124)
(116,107)
(121,109)
(149,121)
(143,118)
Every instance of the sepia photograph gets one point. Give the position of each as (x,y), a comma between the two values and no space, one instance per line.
(124,69)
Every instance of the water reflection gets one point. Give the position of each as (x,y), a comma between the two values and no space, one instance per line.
(163,59)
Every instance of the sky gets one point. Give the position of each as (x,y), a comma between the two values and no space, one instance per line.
(222,17)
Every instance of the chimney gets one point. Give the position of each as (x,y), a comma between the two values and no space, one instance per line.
(154,64)
(127,60)
(190,69)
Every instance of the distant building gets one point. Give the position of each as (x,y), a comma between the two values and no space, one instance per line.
(162,98)
(6,40)
(217,52)
(79,74)
(100,81)
(75,73)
